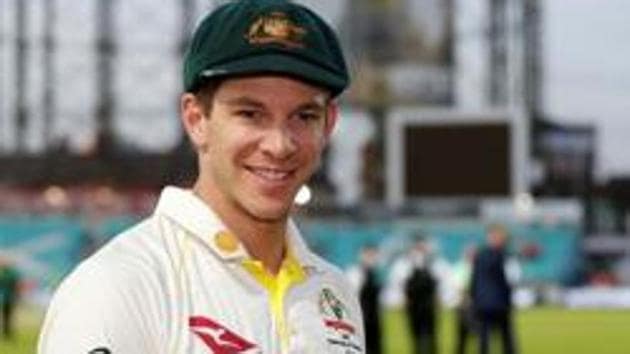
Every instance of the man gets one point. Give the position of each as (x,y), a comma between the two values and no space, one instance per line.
(9,280)
(491,292)
(420,296)
(221,268)
(364,277)
(464,311)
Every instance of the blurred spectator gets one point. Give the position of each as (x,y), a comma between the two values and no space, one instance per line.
(491,292)
(9,279)
(364,277)
(421,295)
(352,135)
(464,311)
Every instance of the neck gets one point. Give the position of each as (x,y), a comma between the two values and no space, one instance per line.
(263,239)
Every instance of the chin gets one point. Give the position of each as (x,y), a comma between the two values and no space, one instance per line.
(270,211)
(270,216)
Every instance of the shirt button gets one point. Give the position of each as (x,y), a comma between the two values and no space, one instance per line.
(226,242)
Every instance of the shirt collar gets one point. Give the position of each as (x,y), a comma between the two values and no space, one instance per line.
(194,215)
(300,250)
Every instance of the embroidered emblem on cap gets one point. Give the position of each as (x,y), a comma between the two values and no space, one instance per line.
(226,242)
(276,28)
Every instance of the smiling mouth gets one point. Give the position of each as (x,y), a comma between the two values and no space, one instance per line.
(271,174)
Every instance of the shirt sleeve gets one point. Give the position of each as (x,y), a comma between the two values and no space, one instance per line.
(91,313)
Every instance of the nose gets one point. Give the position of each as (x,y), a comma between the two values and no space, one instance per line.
(279,143)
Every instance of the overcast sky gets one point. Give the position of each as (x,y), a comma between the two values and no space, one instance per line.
(587,58)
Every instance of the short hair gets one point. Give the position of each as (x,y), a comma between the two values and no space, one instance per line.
(205,92)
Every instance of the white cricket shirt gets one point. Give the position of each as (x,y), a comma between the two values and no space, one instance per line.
(178,282)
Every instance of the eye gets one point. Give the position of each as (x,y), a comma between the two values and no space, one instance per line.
(309,115)
(248,113)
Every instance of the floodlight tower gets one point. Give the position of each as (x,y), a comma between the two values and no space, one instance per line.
(106,51)
(497,61)
(532,47)
(21,74)
(49,77)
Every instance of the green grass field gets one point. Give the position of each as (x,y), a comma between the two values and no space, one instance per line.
(540,331)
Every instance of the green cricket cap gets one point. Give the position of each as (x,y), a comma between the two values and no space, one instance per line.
(247,37)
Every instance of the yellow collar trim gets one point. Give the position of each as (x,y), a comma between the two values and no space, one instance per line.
(277,286)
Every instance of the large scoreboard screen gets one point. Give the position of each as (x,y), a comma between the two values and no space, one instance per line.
(457,160)
(449,155)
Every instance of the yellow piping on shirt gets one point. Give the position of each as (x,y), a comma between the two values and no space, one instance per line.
(290,274)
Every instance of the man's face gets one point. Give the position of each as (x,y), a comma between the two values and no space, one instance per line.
(260,142)
(369,256)
(497,238)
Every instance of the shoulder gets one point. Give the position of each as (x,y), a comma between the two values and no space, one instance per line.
(89,308)
(327,273)
(133,258)
(110,271)
(110,297)
(131,254)
(331,272)
(144,247)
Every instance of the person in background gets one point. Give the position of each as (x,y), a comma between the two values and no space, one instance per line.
(464,311)
(491,291)
(365,279)
(420,291)
(9,279)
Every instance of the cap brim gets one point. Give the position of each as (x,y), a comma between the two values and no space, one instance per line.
(280,63)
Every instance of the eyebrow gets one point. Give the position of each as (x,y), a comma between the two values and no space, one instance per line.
(311,106)
(242,101)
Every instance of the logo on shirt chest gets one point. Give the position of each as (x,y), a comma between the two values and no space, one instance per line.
(340,332)
(218,338)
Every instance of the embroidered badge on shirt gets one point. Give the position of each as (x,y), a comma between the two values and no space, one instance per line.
(218,338)
(341,332)
(276,28)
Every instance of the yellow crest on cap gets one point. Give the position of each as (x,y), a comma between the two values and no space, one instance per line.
(276,27)
(226,242)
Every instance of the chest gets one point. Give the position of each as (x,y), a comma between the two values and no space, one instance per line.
(221,309)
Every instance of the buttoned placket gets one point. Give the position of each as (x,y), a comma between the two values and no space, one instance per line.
(261,295)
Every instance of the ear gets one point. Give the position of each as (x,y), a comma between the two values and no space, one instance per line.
(332,115)
(193,119)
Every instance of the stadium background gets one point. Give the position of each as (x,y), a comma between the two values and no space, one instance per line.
(89,133)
